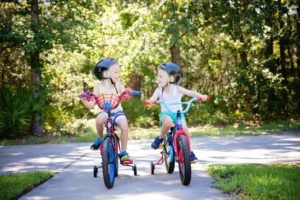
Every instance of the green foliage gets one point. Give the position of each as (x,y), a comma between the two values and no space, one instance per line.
(139,115)
(16,112)
(242,53)
(251,181)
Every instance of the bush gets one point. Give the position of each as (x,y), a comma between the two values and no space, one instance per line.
(139,115)
(15,113)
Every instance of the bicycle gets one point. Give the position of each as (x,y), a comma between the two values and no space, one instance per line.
(110,146)
(176,144)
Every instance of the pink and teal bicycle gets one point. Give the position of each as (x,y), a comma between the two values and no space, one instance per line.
(176,144)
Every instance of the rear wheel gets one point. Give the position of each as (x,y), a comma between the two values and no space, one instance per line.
(116,158)
(116,165)
(95,171)
(169,157)
(184,160)
(134,170)
(108,163)
(152,168)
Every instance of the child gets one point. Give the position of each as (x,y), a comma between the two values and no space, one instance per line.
(168,75)
(107,72)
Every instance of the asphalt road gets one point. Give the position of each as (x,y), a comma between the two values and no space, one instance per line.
(74,164)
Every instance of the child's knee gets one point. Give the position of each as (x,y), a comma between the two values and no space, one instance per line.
(167,121)
(101,119)
(122,123)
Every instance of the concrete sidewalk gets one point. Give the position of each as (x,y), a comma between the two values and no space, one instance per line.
(74,162)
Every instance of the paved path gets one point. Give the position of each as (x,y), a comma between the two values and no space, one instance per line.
(74,163)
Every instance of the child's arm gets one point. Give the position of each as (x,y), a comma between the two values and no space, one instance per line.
(121,87)
(154,96)
(191,93)
(90,103)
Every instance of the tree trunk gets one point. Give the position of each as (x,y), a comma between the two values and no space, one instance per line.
(270,42)
(282,44)
(243,56)
(37,128)
(298,42)
(175,55)
(135,82)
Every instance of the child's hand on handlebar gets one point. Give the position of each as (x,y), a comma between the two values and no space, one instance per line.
(85,96)
(149,102)
(204,98)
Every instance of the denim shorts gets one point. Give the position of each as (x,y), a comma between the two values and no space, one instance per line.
(115,116)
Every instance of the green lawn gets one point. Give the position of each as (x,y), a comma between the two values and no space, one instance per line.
(14,185)
(254,181)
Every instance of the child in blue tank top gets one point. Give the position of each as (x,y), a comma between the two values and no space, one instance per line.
(168,75)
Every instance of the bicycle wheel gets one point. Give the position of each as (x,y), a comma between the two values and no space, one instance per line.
(116,165)
(169,157)
(108,163)
(184,160)
(116,157)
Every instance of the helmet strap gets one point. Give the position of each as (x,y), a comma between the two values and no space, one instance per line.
(112,82)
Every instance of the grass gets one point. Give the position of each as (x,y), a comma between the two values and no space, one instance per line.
(240,129)
(254,181)
(88,135)
(13,186)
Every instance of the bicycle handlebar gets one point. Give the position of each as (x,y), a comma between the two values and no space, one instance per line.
(188,103)
(112,99)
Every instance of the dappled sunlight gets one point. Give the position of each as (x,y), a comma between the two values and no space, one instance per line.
(247,149)
(39,157)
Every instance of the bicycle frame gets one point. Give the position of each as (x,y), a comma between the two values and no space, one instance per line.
(178,129)
(180,145)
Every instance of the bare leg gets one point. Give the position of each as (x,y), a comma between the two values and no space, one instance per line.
(166,124)
(122,123)
(184,127)
(100,121)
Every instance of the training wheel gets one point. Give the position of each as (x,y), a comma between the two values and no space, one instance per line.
(152,168)
(134,169)
(95,171)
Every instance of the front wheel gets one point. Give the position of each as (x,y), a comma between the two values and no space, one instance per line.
(108,163)
(184,160)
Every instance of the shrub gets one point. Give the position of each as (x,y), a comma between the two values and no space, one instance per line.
(15,113)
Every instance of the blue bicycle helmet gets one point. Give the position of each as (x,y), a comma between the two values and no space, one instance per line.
(102,66)
(173,70)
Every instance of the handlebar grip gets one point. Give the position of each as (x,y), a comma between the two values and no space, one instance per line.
(200,99)
(208,98)
(137,93)
(148,103)
(84,95)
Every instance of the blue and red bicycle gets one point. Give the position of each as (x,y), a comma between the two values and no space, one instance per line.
(176,144)
(110,146)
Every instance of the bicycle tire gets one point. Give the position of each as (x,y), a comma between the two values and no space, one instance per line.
(108,163)
(116,156)
(169,157)
(184,160)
